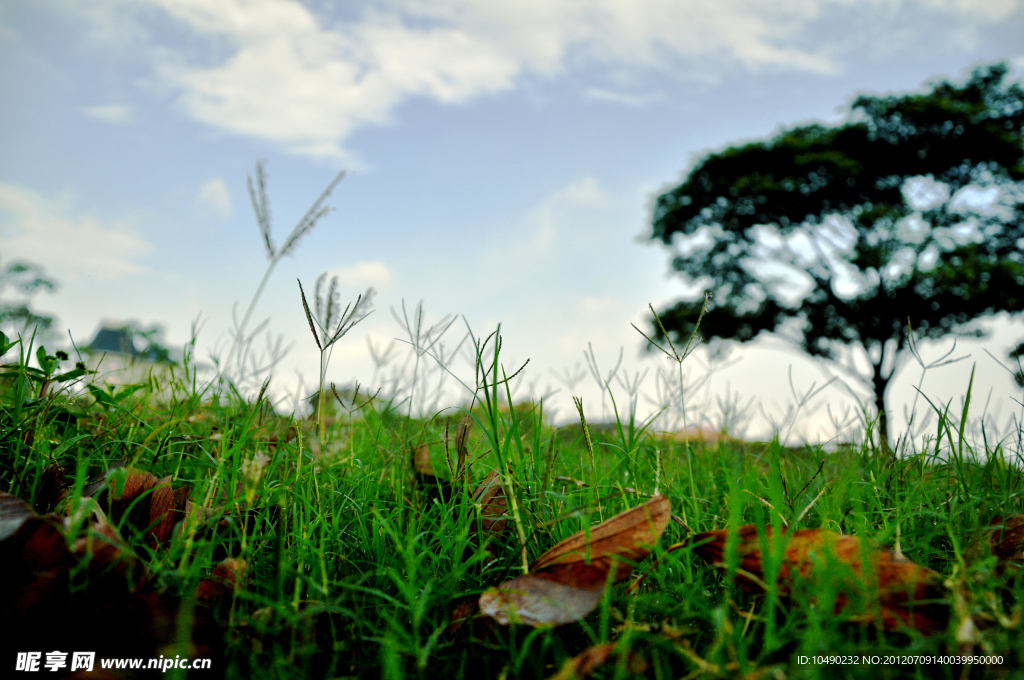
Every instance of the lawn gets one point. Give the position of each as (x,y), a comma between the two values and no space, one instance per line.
(182,520)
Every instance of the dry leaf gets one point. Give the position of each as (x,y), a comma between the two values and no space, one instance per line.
(490,495)
(582,665)
(466,622)
(166,508)
(36,561)
(899,581)
(567,582)
(629,537)
(1006,538)
(107,555)
(227,576)
(536,601)
(99,482)
(158,512)
(115,612)
(13,513)
(53,487)
(124,486)
(425,475)
(421,461)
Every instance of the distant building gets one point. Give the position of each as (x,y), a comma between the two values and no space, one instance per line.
(122,341)
(122,355)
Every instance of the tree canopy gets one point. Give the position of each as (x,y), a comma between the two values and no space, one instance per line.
(26,280)
(909,211)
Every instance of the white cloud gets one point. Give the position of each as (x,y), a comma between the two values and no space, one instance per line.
(559,210)
(363,274)
(51,233)
(281,71)
(602,306)
(111,113)
(635,100)
(213,198)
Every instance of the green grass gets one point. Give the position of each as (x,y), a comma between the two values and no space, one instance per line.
(356,564)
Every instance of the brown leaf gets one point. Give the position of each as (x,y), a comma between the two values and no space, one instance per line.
(425,475)
(124,486)
(582,665)
(136,482)
(227,576)
(1006,539)
(53,487)
(628,537)
(114,612)
(491,496)
(898,581)
(421,461)
(466,622)
(166,508)
(111,562)
(99,482)
(36,563)
(567,582)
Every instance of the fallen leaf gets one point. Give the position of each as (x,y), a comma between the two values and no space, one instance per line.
(425,475)
(111,561)
(99,482)
(628,537)
(36,563)
(53,487)
(466,622)
(899,582)
(421,461)
(13,513)
(536,601)
(124,486)
(1006,539)
(116,610)
(490,495)
(567,582)
(166,509)
(227,576)
(158,512)
(582,665)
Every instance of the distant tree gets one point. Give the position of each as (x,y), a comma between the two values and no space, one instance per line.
(26,280)
(909,211)
(1017,354)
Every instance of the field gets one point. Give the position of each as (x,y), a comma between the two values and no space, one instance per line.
(174,519)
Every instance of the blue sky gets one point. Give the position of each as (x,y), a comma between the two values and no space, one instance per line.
(501,160)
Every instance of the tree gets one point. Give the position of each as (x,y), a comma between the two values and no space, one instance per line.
(910,211)
(27,280)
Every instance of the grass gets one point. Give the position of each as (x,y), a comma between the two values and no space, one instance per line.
(356,563)
(360,552)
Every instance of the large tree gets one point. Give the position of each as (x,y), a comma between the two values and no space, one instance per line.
(911,210)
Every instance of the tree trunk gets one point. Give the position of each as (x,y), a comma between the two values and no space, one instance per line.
(880,384)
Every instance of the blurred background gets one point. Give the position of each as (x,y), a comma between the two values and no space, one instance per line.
(502,162)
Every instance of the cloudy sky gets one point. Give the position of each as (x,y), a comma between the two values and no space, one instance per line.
(501,162)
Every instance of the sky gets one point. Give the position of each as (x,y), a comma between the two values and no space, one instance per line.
(501,163)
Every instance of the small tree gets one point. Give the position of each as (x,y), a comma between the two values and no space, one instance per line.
(909,211)
(26,280)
